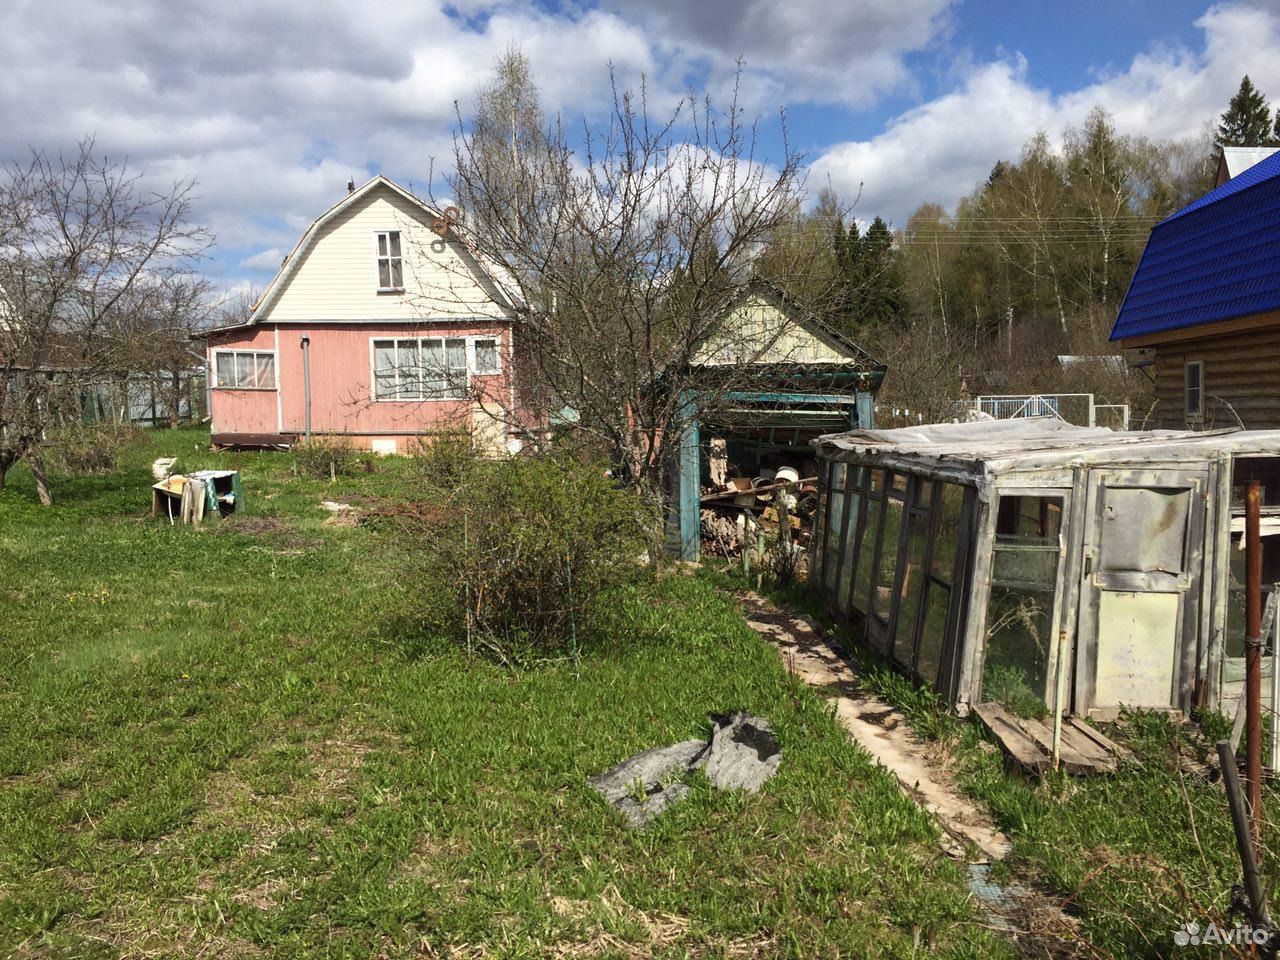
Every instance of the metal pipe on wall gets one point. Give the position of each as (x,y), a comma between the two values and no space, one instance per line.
(306,384)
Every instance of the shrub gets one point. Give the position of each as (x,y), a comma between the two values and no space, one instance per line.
(520,552)
(325,455)
(88,448)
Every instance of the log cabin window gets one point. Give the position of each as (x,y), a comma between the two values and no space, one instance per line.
(390,262)
(244,369)
(1195,391)
(430,368)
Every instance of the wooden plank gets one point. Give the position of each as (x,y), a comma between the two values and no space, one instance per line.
(1070,759)
(1012,739)
(1098,737)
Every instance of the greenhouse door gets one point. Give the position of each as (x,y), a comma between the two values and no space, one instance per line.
(1139,595)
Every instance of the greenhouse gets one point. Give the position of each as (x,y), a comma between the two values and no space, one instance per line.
(1019,561)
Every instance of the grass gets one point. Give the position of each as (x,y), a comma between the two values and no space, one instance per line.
(232,741)
(1136,854)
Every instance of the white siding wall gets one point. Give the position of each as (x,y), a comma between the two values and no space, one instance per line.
(337,278)
(758,331)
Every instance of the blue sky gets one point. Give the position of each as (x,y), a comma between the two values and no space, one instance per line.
(272,104)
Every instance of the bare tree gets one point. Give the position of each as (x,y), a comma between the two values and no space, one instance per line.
(624,254)
(155,346)
(82,242)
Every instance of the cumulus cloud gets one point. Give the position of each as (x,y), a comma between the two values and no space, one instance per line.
(849,52)
(939,150)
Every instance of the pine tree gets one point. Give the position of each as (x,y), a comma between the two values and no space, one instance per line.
(882,298)
(1247,120)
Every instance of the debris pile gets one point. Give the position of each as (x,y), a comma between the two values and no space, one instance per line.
(742,754)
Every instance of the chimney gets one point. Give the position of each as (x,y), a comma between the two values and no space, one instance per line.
(351,186)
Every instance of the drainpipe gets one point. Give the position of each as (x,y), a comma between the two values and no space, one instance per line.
(306,383)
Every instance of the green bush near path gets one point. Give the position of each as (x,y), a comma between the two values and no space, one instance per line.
(227,741)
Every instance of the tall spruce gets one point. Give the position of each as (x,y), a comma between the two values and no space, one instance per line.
(1247,120)
(882,299)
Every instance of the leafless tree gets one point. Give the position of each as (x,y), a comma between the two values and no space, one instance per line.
(624,252)
(155,346)
(82,243)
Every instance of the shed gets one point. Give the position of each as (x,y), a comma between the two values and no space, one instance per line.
(969,552)
(772,377)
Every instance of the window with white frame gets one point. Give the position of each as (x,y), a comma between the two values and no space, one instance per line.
(487,358)
(431,368)
(390,263)
(1194,392)
(245,369)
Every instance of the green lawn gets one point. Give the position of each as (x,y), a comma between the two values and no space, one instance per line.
(232,741)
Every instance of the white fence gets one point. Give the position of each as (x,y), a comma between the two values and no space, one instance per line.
(1077,408)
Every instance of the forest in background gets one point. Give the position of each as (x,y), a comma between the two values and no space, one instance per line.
(1031,265)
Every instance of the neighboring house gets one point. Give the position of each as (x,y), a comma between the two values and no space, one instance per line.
(1205,300)
(406,333)
(1233,161)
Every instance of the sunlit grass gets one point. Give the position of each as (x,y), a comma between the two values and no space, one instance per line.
(228,742)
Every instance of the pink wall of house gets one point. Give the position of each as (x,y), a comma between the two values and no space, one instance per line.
(341,381)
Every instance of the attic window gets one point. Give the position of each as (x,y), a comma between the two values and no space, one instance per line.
(1194,392)
(390,264)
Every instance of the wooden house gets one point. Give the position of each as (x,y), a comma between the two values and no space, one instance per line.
(1204,304)
(381,326)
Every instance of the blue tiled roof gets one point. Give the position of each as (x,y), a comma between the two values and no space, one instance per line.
(1216,258)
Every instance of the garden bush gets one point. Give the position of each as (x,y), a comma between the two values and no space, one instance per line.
(80,449)
(325,455)
(520,553)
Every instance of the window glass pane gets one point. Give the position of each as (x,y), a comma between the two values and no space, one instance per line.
(226,363)
(384,369)
(933,631)
(836,506)
(946,532)
(486,356)
(244,370)
(397,274)
(384,274)
(882,602)
(877,481)
(912,582)
(866,552)
(382,244)
(1020,610)
(433,368)
(410,370)
(266,370)
(853,498)
(456,351)
(394,239)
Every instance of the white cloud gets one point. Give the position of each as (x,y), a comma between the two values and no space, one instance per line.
(268,261)
(940,150)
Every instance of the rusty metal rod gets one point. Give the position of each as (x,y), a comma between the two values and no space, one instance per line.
(1253,656)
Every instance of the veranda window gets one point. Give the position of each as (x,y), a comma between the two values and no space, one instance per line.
(245,369)
(431,368)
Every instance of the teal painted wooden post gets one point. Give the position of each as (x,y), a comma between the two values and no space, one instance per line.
(864,414)
(690,491)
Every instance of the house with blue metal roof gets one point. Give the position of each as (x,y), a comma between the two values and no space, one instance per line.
(1205,302)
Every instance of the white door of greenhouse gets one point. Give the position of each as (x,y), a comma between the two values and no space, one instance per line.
(1139,595)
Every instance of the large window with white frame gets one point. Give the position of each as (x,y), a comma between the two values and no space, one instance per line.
(244,369)
(390,261)
(430,368)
